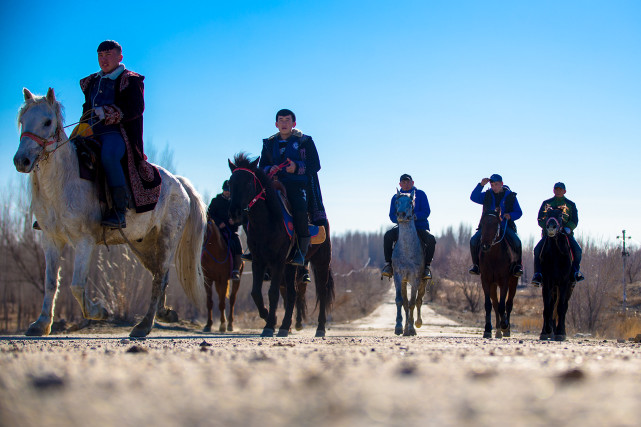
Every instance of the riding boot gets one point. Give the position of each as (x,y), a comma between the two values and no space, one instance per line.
(301,251)
(474,252)
(235,272)
(246,256)
(427,273)
(36,226)
(116,216)
(387,270)
(305,272)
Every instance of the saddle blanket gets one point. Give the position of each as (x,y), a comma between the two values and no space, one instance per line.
(317,233)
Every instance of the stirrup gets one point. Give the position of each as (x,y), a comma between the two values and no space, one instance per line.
(387,271)
(427,273)
(235,275)
(517,271)
(36,226)
(475,270)
(114,220)
(536,280)
(247,256)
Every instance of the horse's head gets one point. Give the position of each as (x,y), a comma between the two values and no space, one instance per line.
(404,207)
(553,222)
(490,229)
(40,121)
(245,186)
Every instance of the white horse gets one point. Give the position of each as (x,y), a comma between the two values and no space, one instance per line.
(68,211)
(407,264)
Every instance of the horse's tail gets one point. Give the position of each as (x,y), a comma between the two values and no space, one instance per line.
(188,265)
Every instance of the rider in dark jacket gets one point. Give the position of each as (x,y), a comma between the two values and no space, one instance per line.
(219,213)
(570,221)
(500,196)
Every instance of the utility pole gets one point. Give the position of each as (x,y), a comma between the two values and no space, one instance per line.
(624,254)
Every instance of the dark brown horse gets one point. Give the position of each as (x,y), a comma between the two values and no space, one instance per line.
(556,266)
(496,259)
(254,202)
(216,261)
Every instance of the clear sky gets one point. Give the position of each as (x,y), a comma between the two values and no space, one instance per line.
(447,91)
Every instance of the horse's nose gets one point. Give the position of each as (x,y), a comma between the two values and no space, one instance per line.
(21,163)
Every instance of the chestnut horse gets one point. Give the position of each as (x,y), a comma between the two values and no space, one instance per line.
(496,258)
(216,260)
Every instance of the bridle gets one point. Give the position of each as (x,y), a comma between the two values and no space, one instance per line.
(261,193)
(409,218)
(558,225)
(498,230)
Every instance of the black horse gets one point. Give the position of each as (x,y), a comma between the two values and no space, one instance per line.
(496,260)
(556,264)
(255,202)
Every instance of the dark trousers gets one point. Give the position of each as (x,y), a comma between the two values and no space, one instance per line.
(428,240)
(577,252)
(233,241)
(510,236)
(297,197)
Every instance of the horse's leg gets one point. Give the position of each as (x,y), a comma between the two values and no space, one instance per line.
(221,290)
(561,310)
(509,304)
(82,259)
(42,326)
(166,314)
(272,294)
(258,271)
(399,305)
(324,283)
(290,300)
(547,331)
(235,285)
(158,285)
(406,308)
(210,304)
(495,304)
(504,325)
(411,304)
(488,311)
(419,302)
(301,290)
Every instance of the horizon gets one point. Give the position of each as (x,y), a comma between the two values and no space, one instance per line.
(450,93)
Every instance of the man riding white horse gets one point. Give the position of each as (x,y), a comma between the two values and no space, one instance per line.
(422,212)
(114,105)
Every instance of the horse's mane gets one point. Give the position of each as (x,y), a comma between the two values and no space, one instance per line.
(242,160)
(37,99)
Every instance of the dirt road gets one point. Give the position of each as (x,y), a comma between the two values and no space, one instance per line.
(361,374)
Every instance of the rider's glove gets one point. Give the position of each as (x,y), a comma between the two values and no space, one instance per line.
(100,112)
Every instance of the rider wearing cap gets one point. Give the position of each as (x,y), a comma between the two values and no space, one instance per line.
(570,216)
(502,197)
(219,213)
(421,211)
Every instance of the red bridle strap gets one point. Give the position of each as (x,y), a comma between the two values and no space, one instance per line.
(260,195)
(40,140)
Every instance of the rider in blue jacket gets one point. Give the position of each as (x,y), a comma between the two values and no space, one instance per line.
(422,211)
(499,196)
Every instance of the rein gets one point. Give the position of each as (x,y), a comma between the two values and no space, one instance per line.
(498,231)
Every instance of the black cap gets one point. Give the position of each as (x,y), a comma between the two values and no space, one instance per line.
(406,176)
(559,185)
(226,185)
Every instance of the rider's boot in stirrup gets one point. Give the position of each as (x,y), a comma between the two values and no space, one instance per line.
(387,270)
(115,218)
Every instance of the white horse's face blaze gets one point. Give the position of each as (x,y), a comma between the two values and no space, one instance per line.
(39,119)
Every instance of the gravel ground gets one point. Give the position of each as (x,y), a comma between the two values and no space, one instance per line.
(361,374)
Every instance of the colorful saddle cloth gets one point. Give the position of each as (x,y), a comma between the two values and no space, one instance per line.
(316,232)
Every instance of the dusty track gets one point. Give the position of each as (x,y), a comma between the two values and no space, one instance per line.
(360,375)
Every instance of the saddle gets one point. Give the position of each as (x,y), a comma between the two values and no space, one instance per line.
(317,233)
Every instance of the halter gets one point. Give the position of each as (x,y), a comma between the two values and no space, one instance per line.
(260,195)
(498,231)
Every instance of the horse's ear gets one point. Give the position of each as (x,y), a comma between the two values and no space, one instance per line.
(231,165)
(51,96)
(412,195)
(255,163)
(28,96)
(398,193)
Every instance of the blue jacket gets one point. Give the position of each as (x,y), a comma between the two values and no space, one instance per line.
(421,209)
(508,204)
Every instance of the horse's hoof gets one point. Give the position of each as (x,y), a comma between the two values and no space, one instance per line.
(35,330)
(320,333)
(398,330)
(221,328)
(267,333)
(418,323)
(167,316)
(139,332)
(559,337)
(207,328)
(487,334)
(498,334)
(230,328)
(299,326)
(283,333)
(546,337)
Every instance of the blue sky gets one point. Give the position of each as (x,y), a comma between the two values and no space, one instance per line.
(448,91)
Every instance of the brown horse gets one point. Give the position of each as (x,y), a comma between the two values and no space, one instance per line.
(496,259)
(216,261)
